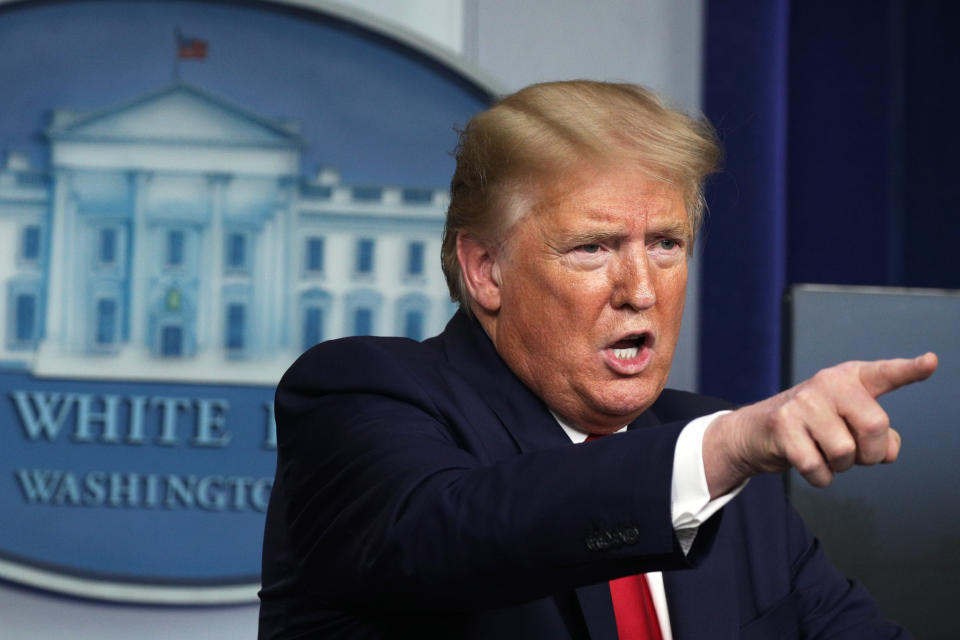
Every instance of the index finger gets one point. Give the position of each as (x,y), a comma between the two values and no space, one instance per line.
(883,376)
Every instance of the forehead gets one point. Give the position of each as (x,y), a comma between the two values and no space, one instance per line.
(618,197)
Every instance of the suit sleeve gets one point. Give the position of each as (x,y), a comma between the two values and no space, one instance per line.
(381,502)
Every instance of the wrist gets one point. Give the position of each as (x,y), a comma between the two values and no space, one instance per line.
(723,464)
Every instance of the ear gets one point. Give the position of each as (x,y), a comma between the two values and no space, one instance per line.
(481,273)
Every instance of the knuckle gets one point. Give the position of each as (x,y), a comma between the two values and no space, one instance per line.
(886,368)
(825,377)
(850,366)
(875,424)
(806,396)
(781,417)
(807,465)
(843,451)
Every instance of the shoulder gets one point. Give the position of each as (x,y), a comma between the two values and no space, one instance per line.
(345,359)
(393,367)
(360,361)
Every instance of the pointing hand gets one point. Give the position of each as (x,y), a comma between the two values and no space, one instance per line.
(821,426)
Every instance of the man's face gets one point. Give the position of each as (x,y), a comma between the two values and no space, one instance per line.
(591,296)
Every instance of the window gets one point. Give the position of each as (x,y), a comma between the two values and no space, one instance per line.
(26,317)
(417,196)
(171,340)
(315,307)
(30,243)
(413,325)
(315,254)
(362,322)
(415,259)
(317,190)
(412,310)
(106,321)
(236,325)
(236,251)
(175,241)
(367,194)
(364,256)
(108,245)
(361,312)
(312,326)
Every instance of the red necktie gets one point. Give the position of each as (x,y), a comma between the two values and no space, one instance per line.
(633,608)
(633,605)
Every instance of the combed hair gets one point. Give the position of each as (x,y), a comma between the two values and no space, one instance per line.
(527,140)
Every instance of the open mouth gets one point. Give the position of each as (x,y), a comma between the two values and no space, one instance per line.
(629,347)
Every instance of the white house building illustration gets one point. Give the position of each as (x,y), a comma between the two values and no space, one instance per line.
(173,237)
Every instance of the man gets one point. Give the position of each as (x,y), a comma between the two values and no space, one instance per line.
(433,491)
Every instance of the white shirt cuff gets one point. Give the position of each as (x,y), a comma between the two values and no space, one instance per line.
(690,503)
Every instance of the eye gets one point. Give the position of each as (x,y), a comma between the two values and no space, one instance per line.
(668,244)
(589,248)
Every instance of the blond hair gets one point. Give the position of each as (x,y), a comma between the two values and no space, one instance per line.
(529,138)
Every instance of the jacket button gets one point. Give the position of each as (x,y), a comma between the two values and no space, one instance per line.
(606,540)
(630,535)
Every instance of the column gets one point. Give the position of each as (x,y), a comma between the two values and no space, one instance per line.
(139,276)
(210,302)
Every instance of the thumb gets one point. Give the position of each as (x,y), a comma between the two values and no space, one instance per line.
(883,376)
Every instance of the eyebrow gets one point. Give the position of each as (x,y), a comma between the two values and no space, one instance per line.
(593,237)
(671,229)
(599,236)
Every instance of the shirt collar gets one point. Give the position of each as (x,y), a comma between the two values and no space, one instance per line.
(576,436)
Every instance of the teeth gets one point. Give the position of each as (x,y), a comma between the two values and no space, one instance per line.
(626,354)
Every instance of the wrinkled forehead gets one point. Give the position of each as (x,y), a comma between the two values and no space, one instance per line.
(584,186)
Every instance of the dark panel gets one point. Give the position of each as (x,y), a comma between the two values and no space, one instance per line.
(893,527)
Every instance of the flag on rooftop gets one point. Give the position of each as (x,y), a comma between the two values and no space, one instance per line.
(189,48)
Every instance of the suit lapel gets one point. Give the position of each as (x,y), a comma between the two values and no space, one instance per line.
(597,608)
(524,416)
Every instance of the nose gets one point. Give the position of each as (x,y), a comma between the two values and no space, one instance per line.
(633,282)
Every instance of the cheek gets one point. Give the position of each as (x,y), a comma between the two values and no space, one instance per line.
(528,303)
(542,287)
(672,297)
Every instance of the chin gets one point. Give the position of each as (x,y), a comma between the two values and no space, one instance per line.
(627,404)
(622,412)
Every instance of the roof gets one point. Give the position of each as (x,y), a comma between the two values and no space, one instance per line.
(179,113)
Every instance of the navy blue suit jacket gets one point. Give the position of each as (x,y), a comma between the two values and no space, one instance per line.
(423,491)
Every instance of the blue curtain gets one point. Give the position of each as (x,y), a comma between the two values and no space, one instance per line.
(742,269)
(838,122)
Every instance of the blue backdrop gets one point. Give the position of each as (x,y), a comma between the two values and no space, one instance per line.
(152,478)
(838,121)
